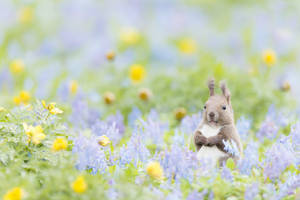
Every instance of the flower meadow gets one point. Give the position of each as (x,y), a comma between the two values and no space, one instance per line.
(100,99)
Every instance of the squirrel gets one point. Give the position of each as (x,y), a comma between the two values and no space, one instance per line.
(217,125)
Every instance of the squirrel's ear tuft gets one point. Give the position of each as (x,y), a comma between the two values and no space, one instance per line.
(211,87)
(225,91)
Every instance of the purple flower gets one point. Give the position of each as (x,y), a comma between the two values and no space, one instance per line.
(153,129)
(211,195)
(274,120)
(135,152)
(289,186)
(250,158)
(112,127)
(278,158)
(196,195)
(82,116)
(112,193)
(118,120)
(251,191)
(156,191)
(6,80)
(295,137)
(174,195)
(134,116)
(243,126)
(177,170)
(231,148)
(178,138)
(277,116)
(226,174)
(268,129)
(190,123)
(89,153)
(270,191)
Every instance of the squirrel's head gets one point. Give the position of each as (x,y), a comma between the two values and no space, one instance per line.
(218,109)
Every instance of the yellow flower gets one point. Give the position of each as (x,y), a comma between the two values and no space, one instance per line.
(145,94)
(79,185)
(110,56)
(269,57)
(104,140)
(180,113)
(2,109)
(59,144)
(17,100)
(51,107)
(14,194)
(35,134)
(109,97)
(130,36)
(137,73)
(26,15)
(73,87)
(16,66)
(187,46)
(155,170)
(24,97)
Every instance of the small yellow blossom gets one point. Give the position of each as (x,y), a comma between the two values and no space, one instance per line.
(109,97)
(16,66)
(59,144)
(2,109)
(14,194)
(187,46)
(26,15)
(51,107)
(145,94)
(180,113)
(110,56)
(137,73)
(104,140)
(79,185)
(73,87)
(155,170)
(17,100)
(130,36)
(35,134)
(269,57)
(24,97)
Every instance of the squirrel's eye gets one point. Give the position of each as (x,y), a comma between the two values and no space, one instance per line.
(204,107)
(224,107)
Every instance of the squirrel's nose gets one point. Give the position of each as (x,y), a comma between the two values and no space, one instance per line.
(211,114)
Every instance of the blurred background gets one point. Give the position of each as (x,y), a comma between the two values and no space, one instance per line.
(120,55)
(129,79)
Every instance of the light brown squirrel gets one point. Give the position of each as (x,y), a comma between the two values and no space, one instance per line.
(217,125)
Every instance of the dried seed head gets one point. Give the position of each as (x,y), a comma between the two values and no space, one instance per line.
(145,94)
(109,97)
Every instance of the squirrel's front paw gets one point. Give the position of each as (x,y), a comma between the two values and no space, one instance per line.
(200,140)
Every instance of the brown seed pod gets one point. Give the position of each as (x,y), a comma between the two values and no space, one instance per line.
(109,97)
(285,86)
(145,94)
(110,56)
(180,113)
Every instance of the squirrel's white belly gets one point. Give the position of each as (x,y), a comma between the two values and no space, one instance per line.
(212,154)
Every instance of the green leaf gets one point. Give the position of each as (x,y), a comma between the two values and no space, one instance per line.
(230,164)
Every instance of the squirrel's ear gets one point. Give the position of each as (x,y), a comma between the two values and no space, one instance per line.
(211,87)
(225,91)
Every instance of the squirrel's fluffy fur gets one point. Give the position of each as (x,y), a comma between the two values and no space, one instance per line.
(217,125)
